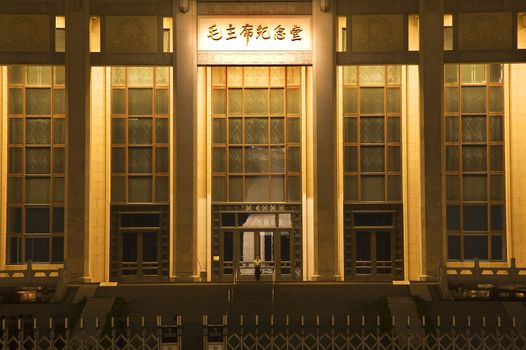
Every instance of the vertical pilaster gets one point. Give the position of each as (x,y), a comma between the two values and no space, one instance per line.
(78,107)
(431,112)
(324,107)
(185,146)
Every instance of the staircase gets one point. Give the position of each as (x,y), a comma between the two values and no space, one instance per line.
(94,308)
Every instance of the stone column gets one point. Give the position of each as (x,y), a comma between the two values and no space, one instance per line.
(185,150)
(324,115)
(431,114)
(78,102)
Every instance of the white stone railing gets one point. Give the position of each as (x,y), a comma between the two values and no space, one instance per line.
(487,274)
(29,275)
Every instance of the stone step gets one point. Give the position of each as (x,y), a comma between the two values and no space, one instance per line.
(402,308)
(94,308)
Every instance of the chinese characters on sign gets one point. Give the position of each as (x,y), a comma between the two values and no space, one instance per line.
(249,32)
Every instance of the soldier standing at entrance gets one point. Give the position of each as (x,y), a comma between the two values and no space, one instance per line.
(257,267)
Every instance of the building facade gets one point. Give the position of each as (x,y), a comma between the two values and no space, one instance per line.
(178,140)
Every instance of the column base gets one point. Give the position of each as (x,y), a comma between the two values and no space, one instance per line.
(428,278)
(326,278)
(185,278)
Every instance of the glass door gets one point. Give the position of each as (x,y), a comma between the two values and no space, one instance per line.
(373,254)
(139,254)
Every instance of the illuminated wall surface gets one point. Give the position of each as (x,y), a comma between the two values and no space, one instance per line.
(332,143)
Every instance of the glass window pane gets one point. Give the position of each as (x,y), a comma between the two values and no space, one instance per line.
(139,131)
(38,190)
(495,128)
(496,99)
(452,128)
(16,74)
(218,101)
(16,100)
(162,75)
(38,131)
(450,73)
(129,247)
(218,76)
(15,160)
(256,130)
(235,76)
(162,130)
(371,100)
(15,130)
(277,101)
(118,160)
(372,159)
(59,160)
(235,160)
(277,76)
(235,101)
(350,159)
(453,248)
(235,189)
(118,189)
(393,129)
(497,187)
(394,159)
(256,160)
(218,159)
(350,129)
(453,217)
(277,159)
(59,102)
(393,75)
(372,130)
(277,188)
(60,75)
(58,190)
(497,217)
(38,101)
(293,101)
(497,248)
(162,101)
(448,38)
(293,159)
(351,187)
(14,190)
(350,75)
(495,73)
(496,158)
(118,105)
(162,189)
(140,102)
(140,76)
(257,188)
(13,246)
(256,76)
(37,250)
(373,188)
(451,100)
(472,73)
(256,102)
(118,127)
(475,218)
(218,188)
(140,189)
(452,188)
(394,187)
(39,75)
(372,75)
(474,129)
(294,130)
(293,75)
(475,247)
(294,188)
(474,188)
(474,158)
(350,103)
(218,130)
(118,75)
(58,220)
(139,160)
(473,99)
(393,100)
(235,130)
(14,220)
(162,162)
(37,220)
(58,250)
(277,132)
(59,131)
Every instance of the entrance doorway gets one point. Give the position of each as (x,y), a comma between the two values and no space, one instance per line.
(373,251)
(140,254)
(239,249)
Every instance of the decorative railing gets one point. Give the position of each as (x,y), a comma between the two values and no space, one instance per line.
(30,275)
(486,274)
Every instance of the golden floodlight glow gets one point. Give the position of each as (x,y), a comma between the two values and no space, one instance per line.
(254,33)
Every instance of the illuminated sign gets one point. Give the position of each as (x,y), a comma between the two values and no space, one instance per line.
(254,33)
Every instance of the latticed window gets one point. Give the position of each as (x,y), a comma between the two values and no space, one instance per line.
(256,134)
(372,143)
(140,129)
(474,147)
(36,164)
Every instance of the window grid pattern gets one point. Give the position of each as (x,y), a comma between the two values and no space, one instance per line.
(140,112)
(474,149)
(256,134)
(372,151)
(36,164)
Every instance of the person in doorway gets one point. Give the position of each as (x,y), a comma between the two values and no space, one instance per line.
(257,267)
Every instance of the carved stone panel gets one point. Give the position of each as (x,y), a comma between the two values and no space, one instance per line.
(26,33)
(131,34)
(485,31)
(382,33)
